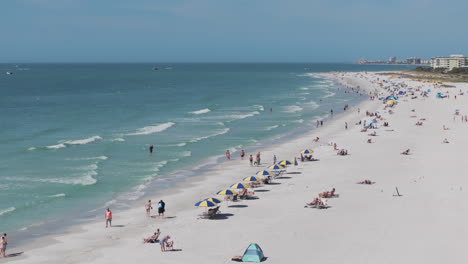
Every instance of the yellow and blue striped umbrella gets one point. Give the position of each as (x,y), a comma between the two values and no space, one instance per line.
(307,151)
(226,192)
(252,179)
(205,203)
(214,200)
(285,162)
(239,186)
(276,167)
(263,173)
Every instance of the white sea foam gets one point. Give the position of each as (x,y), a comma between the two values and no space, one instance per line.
(259,107)
(312,104)
(118,139)
(242,116)
(57,195)
(200,112)
(81,141)
(300,121)
(221,132)
(220,123)
(292,109)
(31,148)
(158,165)
(92,158)
(304,88)
(271,127)
(8,210)
(88,167)
(329,94)
(64,143)
(185,154)
(84,179)
(152,129)
(58,146)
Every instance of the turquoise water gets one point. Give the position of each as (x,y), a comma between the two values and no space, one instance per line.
(75,137)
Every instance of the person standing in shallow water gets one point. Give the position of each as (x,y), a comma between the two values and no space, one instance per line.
(242,154)
(151,149)
(228,155)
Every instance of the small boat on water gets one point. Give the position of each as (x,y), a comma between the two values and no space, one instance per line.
(8,73)
(155,68)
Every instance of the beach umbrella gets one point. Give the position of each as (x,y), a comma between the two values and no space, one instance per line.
(276,167)
(239,186)
(390,102)
(226,192)
(307,151)
(264,173)
(285,162)
(252,179)
(205,203)
(214,200)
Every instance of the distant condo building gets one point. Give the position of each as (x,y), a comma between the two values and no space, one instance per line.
(392,60)
(449,63)
(413,60)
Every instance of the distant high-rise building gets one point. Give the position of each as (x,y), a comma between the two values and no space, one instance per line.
(413,60)
(392,60)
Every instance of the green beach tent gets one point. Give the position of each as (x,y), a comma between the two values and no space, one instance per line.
(253,254)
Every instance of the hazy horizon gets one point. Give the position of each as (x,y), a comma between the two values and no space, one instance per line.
(242,31)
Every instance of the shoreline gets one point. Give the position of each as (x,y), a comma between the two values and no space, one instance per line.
(200,175)
(364,224)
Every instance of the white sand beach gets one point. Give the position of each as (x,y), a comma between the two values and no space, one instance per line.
(365,224)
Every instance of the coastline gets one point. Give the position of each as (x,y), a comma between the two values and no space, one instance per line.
(201,174)
(376,223)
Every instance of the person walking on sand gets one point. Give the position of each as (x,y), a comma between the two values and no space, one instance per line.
(258,159)
(151,147)
(251,160)
(3,243)
(274,159)
(148,208)
(346,125)
(228,155)
(242,154)
(161,208)
(108,217)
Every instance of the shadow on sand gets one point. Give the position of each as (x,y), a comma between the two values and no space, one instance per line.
(262,190)
(222,216)
(238,206)
(12,255)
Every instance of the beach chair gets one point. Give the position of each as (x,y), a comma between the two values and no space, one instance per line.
(170,245)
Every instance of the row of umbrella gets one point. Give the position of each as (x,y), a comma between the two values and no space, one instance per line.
(211,202)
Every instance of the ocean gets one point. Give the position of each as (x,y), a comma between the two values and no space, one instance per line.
(74,138)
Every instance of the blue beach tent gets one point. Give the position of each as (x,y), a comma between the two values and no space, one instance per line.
(253,254)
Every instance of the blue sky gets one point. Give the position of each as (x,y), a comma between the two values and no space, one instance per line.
(229,30)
